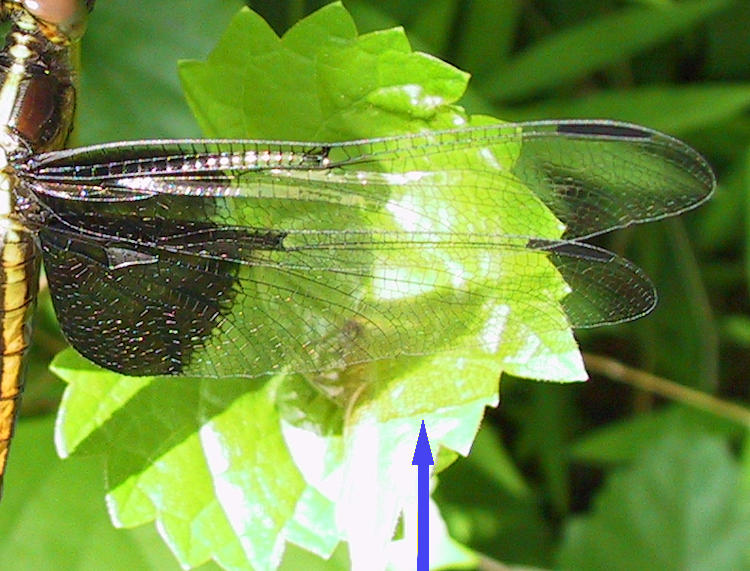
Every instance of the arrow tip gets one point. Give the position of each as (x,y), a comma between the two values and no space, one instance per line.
(422,453)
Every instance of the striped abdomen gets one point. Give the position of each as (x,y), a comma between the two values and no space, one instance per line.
(19,278)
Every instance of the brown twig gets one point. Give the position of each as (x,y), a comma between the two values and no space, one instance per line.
(616,371)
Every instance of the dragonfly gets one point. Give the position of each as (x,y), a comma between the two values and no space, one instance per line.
(219,258)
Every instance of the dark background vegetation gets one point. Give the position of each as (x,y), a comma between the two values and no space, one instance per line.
(624,471)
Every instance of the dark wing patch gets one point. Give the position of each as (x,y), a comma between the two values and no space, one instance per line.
(137,319)
(140,308)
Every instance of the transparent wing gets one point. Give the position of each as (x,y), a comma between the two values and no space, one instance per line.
(594,176)
(240,257)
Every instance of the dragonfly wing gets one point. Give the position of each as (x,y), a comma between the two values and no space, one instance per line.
(599,176)
(240,257)
(594,176)
(219,302)
(137,311)
(605,289)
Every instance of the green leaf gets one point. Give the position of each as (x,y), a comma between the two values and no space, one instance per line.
(549,423)
(745,468)
(308,87)
(204,458)
(572,53)
(723,220)
(490,458)
(686,318)
(746,195)
(296,558)
(727,52)
(679,506)
(433,21)
(736,329)
(206,480)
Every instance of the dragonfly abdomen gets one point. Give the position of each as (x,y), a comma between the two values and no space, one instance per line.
(19,276)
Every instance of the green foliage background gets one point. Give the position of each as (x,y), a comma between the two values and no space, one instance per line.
(585,476)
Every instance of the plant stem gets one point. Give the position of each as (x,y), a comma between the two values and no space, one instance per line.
(664,387)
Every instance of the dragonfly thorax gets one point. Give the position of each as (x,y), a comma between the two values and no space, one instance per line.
(37,92)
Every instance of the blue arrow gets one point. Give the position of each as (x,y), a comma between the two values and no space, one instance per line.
(423,459)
